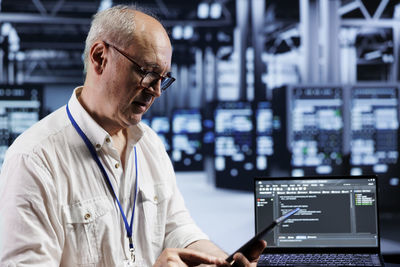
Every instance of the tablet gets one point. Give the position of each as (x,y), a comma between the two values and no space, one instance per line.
(246,248)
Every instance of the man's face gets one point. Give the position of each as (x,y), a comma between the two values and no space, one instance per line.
(126,99)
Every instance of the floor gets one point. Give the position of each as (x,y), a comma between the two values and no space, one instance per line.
(226,216)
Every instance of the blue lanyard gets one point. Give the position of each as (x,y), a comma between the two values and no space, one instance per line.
(96,158)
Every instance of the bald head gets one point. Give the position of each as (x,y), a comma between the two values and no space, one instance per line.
(123,26)
(149,32)
(145,23)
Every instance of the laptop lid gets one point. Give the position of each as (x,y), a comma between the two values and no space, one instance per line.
(338,214)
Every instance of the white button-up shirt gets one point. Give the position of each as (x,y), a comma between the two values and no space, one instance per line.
(57,210)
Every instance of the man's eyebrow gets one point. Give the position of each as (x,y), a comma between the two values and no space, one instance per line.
(151,64)
(154,66)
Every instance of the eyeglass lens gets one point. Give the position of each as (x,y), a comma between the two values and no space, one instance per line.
(152,78)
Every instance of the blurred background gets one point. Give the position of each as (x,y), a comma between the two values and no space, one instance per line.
(266,88)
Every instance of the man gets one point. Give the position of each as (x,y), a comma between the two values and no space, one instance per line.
(89,185)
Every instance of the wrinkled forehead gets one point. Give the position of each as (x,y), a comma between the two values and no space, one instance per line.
(153,49)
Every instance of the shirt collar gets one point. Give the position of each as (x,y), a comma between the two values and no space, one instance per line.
(94,132)
(135,133)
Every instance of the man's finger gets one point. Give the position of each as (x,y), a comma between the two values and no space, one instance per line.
(193,257)
(252,255)
(240,260)
(256,250)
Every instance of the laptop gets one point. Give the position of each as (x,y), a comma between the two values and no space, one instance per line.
(337,224)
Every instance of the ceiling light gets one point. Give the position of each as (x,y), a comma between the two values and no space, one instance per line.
(215,10)
(203,10)
(177,32)
(187,32)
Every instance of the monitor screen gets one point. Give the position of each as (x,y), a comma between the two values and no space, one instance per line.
(233,128)
(334,212)
(146,121)
(316,130)
(20,108)
(234,150)
(208,128)
(161,126)
(374,129)
(186,137)
(374,145)
(186,121)
(264,138)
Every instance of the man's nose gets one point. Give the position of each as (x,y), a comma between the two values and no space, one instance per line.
(155,89)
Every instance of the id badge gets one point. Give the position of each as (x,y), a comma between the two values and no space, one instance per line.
(136,263)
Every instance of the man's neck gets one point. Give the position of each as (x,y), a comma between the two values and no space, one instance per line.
(118,134)
(90,104)
(120,142)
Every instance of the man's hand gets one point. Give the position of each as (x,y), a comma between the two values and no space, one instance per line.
(172,257)
(210,248)
(241,261)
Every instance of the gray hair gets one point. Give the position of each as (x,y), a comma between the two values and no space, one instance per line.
(115,23)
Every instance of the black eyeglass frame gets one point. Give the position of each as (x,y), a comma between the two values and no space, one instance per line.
(166,80)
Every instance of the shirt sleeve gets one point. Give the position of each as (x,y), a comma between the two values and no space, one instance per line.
(30,229)
(181,230)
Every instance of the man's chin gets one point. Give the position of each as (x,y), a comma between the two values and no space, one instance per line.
(135,119)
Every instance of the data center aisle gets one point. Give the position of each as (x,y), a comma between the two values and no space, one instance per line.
(226,216)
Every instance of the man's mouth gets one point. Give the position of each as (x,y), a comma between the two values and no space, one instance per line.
(140,106)
(142,102)
(138,103)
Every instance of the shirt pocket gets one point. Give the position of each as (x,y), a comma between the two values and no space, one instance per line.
(85,221)
(155,206)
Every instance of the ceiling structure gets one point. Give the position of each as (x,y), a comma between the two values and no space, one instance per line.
(51,33)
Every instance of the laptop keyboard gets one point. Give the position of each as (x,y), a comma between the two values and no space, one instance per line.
(319,260)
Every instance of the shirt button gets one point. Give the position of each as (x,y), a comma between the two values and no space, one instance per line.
(87,216)
(117,165)
(98,145)
(155,198)
(108,140)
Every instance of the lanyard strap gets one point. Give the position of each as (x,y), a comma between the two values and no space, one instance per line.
(97,160)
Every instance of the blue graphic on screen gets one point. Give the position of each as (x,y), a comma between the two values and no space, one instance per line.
(374,129)
(233,133)
(264,140)
(161,126)
(20,108)
(186,138)
(146,121)
(316,130)
(209,136)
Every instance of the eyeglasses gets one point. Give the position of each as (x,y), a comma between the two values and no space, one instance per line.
(149,78)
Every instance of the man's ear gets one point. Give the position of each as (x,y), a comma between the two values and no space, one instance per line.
(98,56)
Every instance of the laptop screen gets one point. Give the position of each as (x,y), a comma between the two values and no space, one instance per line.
(334,212)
